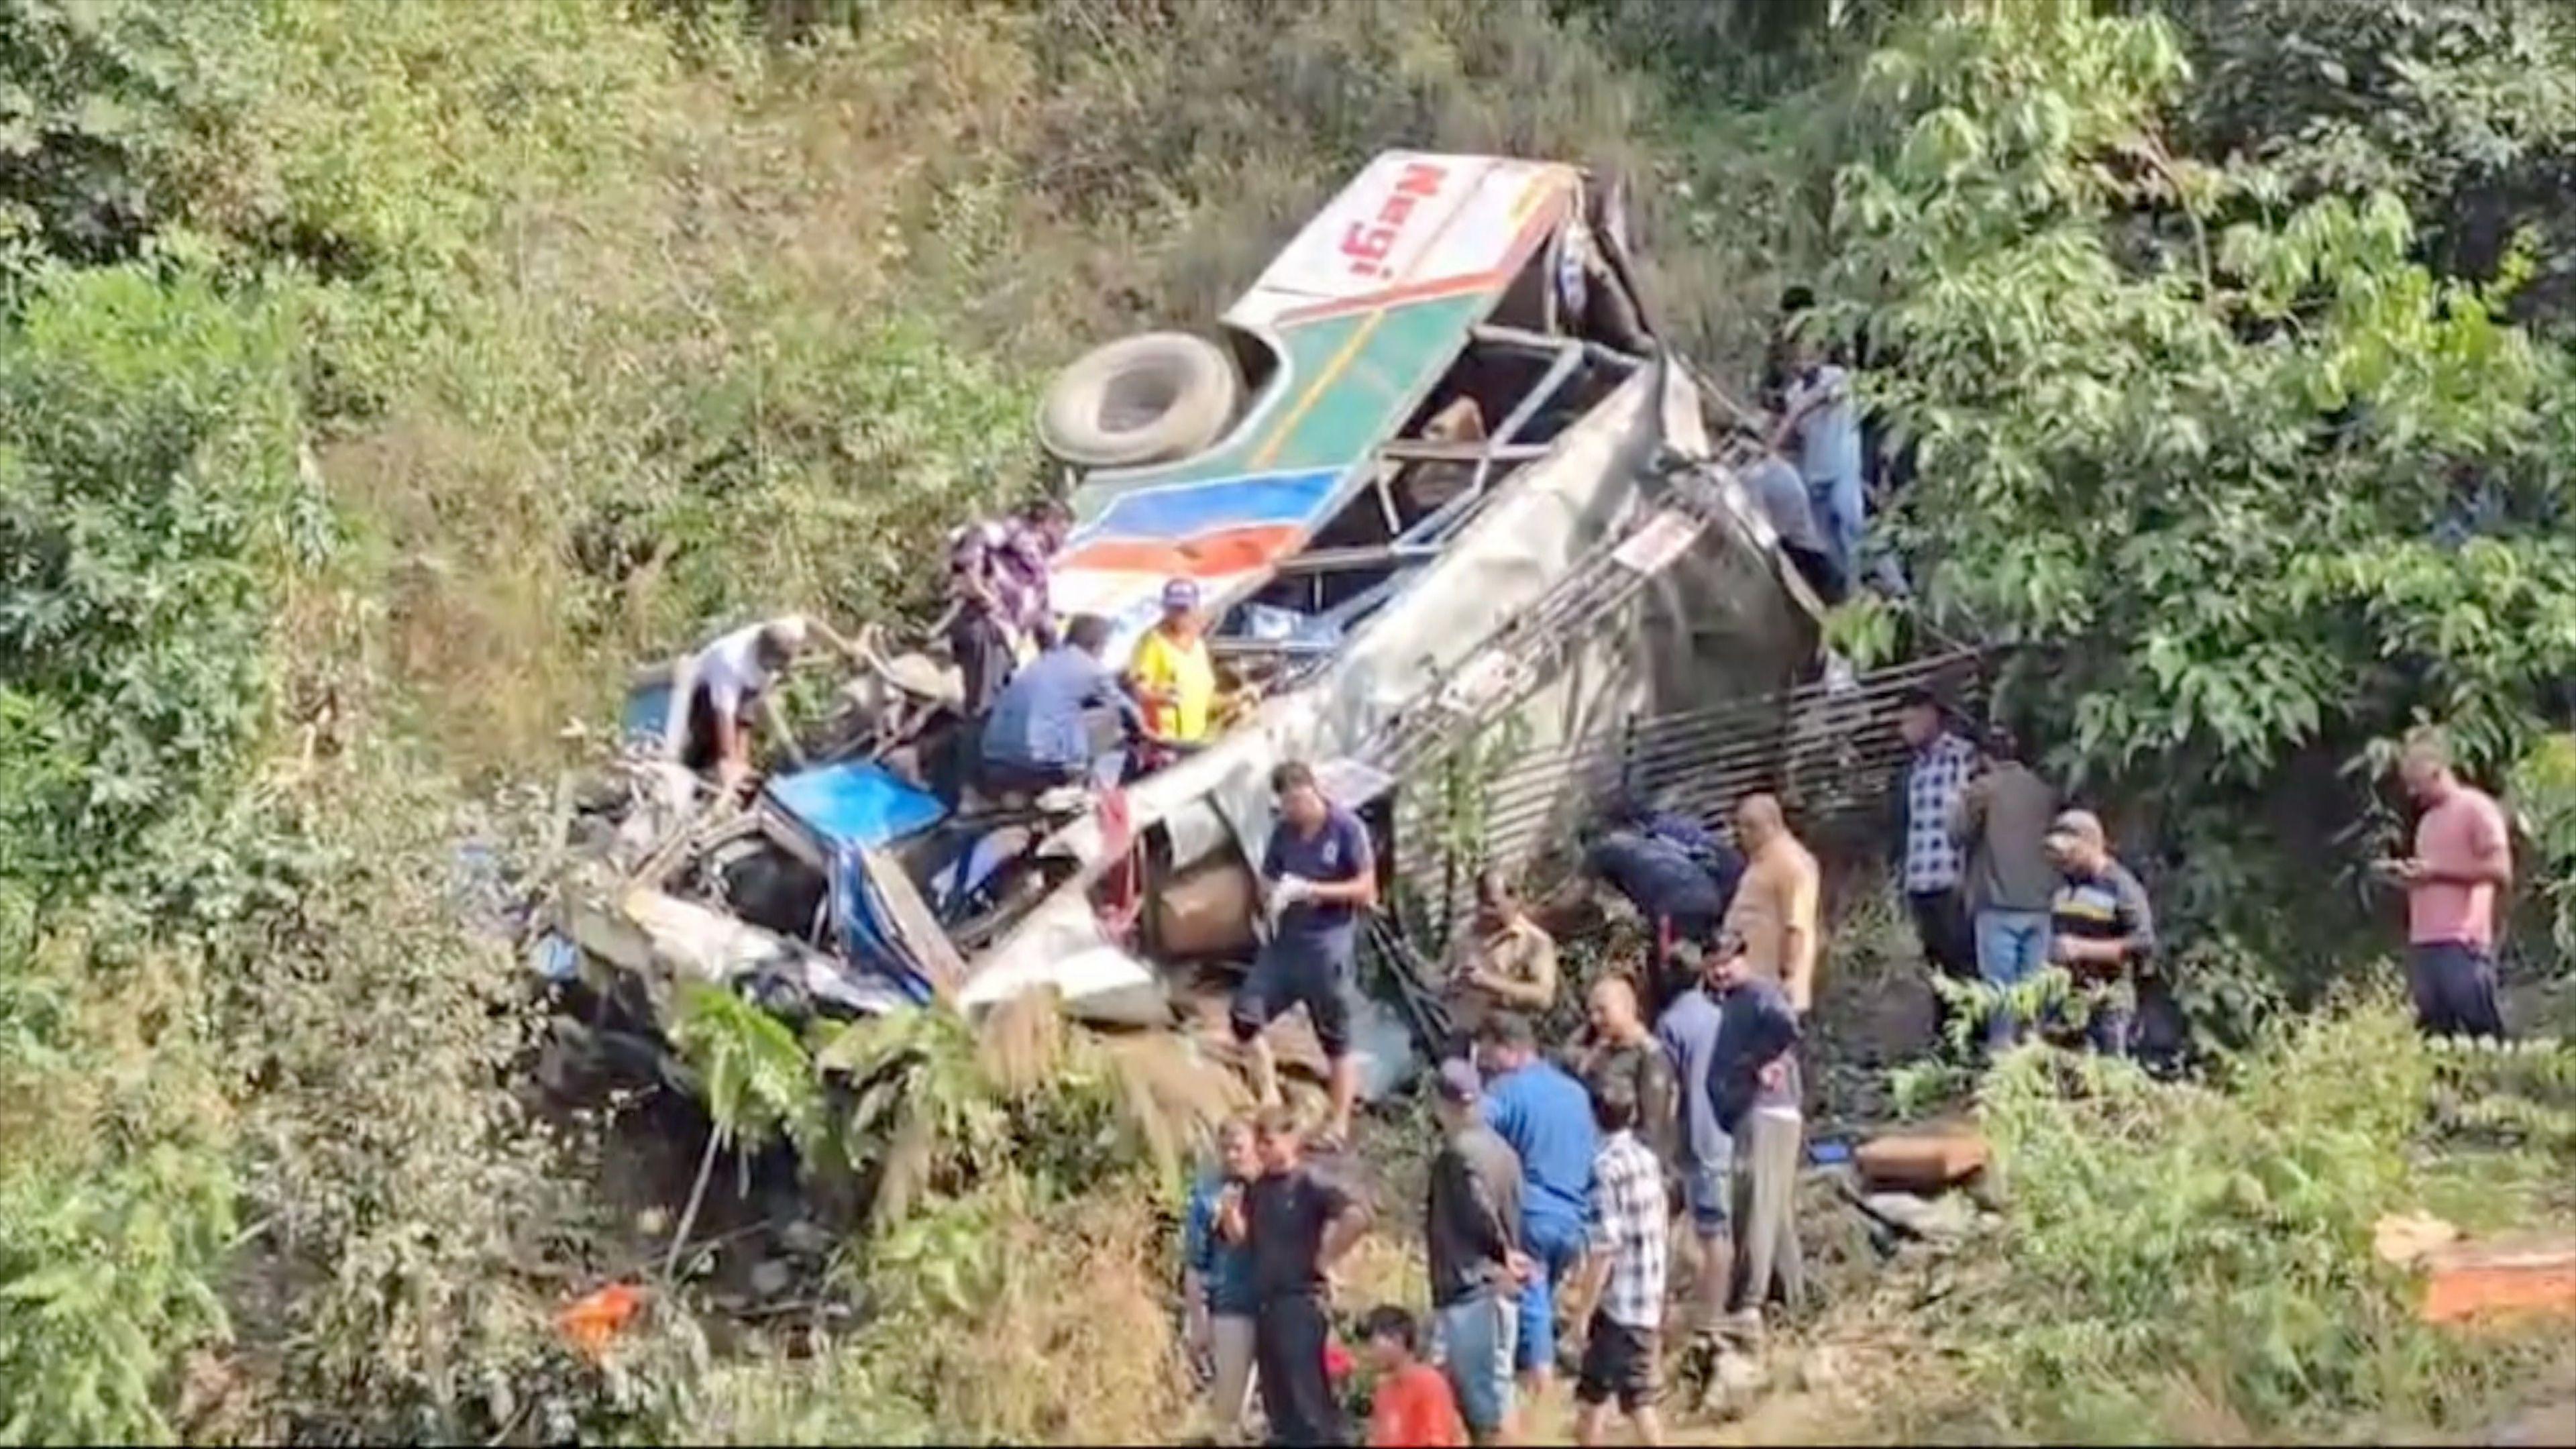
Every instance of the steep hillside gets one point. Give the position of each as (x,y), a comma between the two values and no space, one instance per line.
(380,382)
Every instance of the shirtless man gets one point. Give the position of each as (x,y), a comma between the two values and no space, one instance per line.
(1775,908)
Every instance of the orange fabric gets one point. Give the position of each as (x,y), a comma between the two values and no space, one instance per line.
(1415,1408)
(591,1323)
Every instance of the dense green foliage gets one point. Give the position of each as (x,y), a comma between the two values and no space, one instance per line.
(379,382)
(2234,439)
(2189,1259)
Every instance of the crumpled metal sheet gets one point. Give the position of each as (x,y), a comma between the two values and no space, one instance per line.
(1547,517)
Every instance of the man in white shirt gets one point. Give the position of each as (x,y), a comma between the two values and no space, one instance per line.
(717,691)
(1820,427)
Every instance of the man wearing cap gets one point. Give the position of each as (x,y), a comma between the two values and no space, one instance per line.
(2100,927)
(722,686)
(1472,1227)
(1546,1117)
(1172,677)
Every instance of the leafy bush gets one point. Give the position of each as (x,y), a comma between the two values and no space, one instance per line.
(150,508)
(115,1194)
(2175,1249)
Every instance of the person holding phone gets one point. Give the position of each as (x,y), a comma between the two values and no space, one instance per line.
(2462,865)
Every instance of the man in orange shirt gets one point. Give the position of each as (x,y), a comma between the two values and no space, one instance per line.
(2463,861)
(1774,910)
(1413,1405)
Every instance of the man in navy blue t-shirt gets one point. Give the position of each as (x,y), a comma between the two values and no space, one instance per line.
(1319,873)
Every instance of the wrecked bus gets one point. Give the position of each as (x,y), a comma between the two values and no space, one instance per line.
(1437,472)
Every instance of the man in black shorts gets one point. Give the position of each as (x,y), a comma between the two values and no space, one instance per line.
(1319,874)
(1620,1298)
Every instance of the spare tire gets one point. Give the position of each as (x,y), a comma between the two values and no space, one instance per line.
(1145,399)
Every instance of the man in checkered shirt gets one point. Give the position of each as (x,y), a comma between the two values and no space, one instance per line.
(1932,865)
(1620,1299)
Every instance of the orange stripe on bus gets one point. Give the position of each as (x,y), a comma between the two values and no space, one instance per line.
(1240,550)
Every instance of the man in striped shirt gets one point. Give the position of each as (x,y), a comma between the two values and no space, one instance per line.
(2100,927)
(1620,1298)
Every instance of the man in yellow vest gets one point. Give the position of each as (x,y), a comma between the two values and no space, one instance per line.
(1174,680)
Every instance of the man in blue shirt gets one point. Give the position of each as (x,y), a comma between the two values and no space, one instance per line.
(1782,496)
(1318,873)
(1546,1117)
(1819,422)
(1040,733)
(1689,1033)
(1678,875)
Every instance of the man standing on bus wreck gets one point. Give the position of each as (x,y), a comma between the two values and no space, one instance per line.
(1319,873)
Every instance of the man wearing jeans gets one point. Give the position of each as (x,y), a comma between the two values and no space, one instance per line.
(2002,822)
(1546,1117)
(1688,1033)
(1472,1225)
(2463,861)
(1820,425)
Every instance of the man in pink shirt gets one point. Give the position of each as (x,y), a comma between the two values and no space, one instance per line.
(2463,861)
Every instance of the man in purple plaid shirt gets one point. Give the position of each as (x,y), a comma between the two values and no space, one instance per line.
(1620,1298)
(997,569)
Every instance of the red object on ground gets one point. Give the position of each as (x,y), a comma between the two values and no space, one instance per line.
(2532,1275)
(594,1320)
(1921,1161)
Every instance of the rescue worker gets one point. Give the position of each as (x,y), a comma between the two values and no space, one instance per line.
(718,690)
(1172,677)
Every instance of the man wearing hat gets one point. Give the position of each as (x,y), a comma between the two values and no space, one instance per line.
(2100,926)
(1172,677)
(1472,1227)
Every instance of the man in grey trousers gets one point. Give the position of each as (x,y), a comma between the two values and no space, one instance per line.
(1753,1075)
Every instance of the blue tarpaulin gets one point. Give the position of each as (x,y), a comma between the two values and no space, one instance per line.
(860,803)
(648,713)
